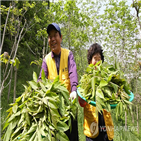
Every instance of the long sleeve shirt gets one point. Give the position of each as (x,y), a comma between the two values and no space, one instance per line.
(71,68)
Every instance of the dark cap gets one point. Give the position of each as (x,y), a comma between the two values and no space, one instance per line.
(53,26)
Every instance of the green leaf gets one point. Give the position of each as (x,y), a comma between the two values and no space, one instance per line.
(93,85)
(11,118)
(49,134)
(62,105)
(42,131)
(18,99)
(117,110)
(16,62)
(33,84)
(65,95)
(39,134)
(6,124)
(62,136)
(8,133)
(99,93)
(54,112)
(126,89)
(128,102)
(52,127)
(107,107)
(32,128)
(15,122)
(33,136)
(45,100)
(89,68)
(42,86)
(62,126)
(51,94)
(115,86)
(120,107)
(52,104)
(18,129)
(14,108)
(21,119)
(101,101)
(9,110)
(35,76)
(27,119)
(43,76)
(107,91)
(69,124)
(99,107)
(103,83)
(110,77)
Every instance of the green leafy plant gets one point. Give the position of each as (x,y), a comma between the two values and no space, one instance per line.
(42,112)
(106,85)
(37,62)
(4,58)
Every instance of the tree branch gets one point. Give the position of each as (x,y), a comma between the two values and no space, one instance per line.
(5,29)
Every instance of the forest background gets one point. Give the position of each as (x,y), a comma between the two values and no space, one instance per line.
(116,29)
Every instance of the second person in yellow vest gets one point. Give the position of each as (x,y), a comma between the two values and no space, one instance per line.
(96,128)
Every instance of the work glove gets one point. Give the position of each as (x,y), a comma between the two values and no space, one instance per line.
(73,95)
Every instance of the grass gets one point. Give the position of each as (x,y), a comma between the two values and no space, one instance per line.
(80,118)
(120,133)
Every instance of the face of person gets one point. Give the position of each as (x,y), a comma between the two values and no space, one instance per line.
(95,58)
(54,41)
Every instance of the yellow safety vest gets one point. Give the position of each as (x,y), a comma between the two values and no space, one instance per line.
(90,125)
(63,69)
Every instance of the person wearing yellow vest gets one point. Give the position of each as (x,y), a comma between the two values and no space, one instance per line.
(60,61)
(96,128)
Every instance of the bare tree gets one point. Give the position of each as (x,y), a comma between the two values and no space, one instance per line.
(5,29)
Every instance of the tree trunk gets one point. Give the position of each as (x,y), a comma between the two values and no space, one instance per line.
(10,85)
(4,29)
(5,77)
(43,48)
(69,33)
(137,8)
(125,120)
(15,52)
(47,47)
(137,120)
(15,80)
(132,117)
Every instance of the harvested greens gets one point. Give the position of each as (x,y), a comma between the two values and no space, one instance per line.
(42,112)
(106,85)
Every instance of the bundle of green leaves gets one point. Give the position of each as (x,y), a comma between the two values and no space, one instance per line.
(105,84)
(42,112)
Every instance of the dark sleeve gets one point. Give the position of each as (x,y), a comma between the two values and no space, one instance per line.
(72,72)
(44,67)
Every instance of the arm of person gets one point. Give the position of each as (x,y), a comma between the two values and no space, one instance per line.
(72,75)
(44,67)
